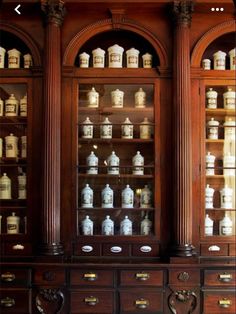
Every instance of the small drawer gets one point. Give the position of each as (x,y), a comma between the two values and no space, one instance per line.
(14,277)
(141,277)
(219,302)
(15,301)
(87,249)
(92,301)
(145,250)
(52,276)
(116,249)
(214,249)
(232,249)
(140,301)
(220,277)
(187,277)
(91,277)
(18,249)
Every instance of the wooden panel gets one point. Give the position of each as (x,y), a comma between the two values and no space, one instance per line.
(220,277)
(221,249)
(232,249)
(15,301)
(92,301)
(52,276)
(186,277)
(118,249)
(219,302)
(143,250)
(18,249)
(14,277)
(141,277)
(91,277)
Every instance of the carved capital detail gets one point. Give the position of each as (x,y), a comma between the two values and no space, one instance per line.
(183,276)
(187,297)
(50,299)
(182,11)
(54,11)
(117,17)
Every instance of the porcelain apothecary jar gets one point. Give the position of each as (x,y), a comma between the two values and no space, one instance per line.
(232,56)
(117,98)
(11,106)
(28,62)
(93,98)
(210,163)
(108,226)
(127,197)
(213,128)
(92,163)
(209,193)
(230,129)
(1,147)
(23,146)
(87,197)
(132,58)
(0,224)
(147,60)
(87,226)
(226,195)
(1,107)
(140,98)
(113,162)
(211,97)
(146,226)
(146,197)
(229,162)
(2,57)
(229,99)
(107,197)
(127,129)
(226,226)
(219,60)
(22,186)
(115,56)
(138,163)
(206,64)
(11,142)
(145,129)
(13,59)
(5,187)
(13,224)
(23,106)
(126,226)
(87,128)
(106,129)
(208,226)
(98,58)
(84,60)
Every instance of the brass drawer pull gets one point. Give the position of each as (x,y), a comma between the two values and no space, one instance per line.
(141,303)
(225,277)
(91,300)
(90,276)
(7,302)
(225,303)
(18,247)
(142,276)
(8,277)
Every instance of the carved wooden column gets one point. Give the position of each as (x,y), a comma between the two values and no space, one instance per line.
(182,131)
(54,13)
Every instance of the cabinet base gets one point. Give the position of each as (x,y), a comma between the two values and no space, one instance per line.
(183,250)
(51,249)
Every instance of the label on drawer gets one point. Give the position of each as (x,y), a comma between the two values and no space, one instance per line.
(145,249)
(214,248)
(116,249)
(87,248)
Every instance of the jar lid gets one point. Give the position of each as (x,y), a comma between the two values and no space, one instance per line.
(230,122)
(232,52)
(213,122)
(219,53)
(115,48)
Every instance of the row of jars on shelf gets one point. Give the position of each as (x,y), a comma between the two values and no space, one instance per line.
(107,197)
(13,224)
(13,107)
(117,98)
(225,226)
(228,162)
(6,187)
(13,59)
(127,129)
(226,197)
(115,58)
(219,60)
(229,129)
(108,226)
(11,146)
(229,99)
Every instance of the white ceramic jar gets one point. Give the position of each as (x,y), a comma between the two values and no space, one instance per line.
(126,226)
(219,60)
(229,99)
(140,98)
(87,226)
(107,226)
(93,98)
(230,129)
(13,224)
(11,106)
(206,64)
(117,98)
(13,59)
(28,62)
(127,197)
(226,226)
(146,197)
(98,58)
(107,197)
(226,195)
(146,226)
(132,58)
(115,56)
(92,163)
(106,129)
(138,163)
(84,60)
(229,162)
(213,128)
(232,57)
(208,226)
(2,57)
(1,147)
(127,129)
(23,106)
(87,128)
(210,163)
(87,197)
(5,187)
(145,129)
(11,149)
(22,186)
(1,107)
(147,60)
(209,193)
(211,97)
(0,224)
(23,146)
(113,163)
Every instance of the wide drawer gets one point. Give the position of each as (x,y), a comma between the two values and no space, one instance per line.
(214,249)
(16,301)
(18,249)
(220,278)
(141,301)
(219,302)
(141,277)
(92,301)
(52,276)
(91,277)
(187,276)
(14,277)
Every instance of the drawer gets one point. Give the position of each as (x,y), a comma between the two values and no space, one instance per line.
(219,302)
(87,249)
(141,277)
(92,301)
(145,250)
(14,277)
(52,276)
(18,249)
(214,249)
(187,277)
(91,277)
(111,249)
(141,301)
(15,301)
(220,278)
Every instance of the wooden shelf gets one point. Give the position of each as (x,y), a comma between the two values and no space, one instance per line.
(116,140)
(219,141)
(22,72)
(114,209)
(110,110)
(216,176)
(104,175)
(221,209)
(12,162)
(13,120)
(216,74)
(221,112)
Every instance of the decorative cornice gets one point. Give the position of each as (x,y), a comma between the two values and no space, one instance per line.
(54,11)
(182,11)
(117,17)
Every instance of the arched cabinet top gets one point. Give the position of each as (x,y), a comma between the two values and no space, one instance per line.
(108,25)
(209,37)
(26,40)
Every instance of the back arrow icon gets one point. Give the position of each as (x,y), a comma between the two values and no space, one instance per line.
(16,9)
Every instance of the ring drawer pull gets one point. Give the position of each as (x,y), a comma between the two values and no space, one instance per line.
(225,277)
(8,277)
(18,247)
(7,302)
(92,301)
(141,303)
(90,276)
(225,303)
(142,276)
(214,248)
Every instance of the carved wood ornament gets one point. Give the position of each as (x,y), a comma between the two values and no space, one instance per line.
(48,300)
(188,298)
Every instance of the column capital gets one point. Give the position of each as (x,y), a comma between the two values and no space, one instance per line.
(182,11)
(54,11)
